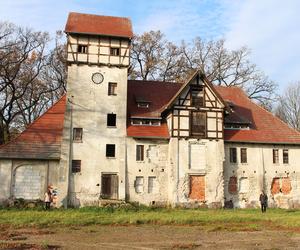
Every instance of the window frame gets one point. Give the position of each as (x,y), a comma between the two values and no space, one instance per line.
(110,151)
(76,166)
(112,88)
(77,131)
(244,155)
(82,47)
(196,99)
(233,155)
(112,51)
(202,134)
(140,153)
(111,120)
(285,156)
(275,156)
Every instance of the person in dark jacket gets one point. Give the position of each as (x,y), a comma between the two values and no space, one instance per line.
(263,198)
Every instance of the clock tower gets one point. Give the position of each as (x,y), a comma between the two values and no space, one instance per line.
(98,59)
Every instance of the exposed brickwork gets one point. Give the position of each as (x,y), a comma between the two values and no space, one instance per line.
(286,185)
(197,187)
(232,185)
(275,188)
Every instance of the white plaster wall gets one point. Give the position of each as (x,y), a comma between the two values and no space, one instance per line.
(90,105)
(154,165)
(260,170)
(5,179)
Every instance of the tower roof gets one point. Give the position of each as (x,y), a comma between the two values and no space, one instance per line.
(98,25)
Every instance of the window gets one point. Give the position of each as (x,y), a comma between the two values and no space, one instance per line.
(111,120)
(76,166)
(139,184)
(244,185)
(151,184)
(275,156)
(232,152)
(77,134)
(110,150)
(198,124)
(197,98)
(143,104)
(151,122)
(114,51)
(232,185)
(112,88)
(243,155)
(82,49)
(285,155)
(139,152)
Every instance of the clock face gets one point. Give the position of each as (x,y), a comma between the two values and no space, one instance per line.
(97,78)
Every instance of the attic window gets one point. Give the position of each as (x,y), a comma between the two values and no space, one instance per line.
(197,98)
(145,122)
(114,51)
(143,104)
(82,49)
(236,126)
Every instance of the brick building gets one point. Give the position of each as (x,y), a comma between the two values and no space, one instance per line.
(110,138)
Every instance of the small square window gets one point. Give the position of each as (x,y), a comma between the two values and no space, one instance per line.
(275,156)
(82,49)
(112,88)
(114,51)
(139,152)
(77,134)
(285,154)
(76,166)
(232,152)
(111,120)
(110,150)
(243,155)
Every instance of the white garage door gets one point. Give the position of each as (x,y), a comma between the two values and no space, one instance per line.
(29,182)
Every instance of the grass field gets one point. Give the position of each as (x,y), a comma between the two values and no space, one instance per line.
(238,219)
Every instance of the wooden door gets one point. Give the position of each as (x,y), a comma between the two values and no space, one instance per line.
(109,186)
(197,187)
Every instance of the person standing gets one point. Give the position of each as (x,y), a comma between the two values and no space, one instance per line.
(48,198)
(263,198)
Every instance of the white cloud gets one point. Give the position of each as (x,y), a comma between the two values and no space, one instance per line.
(270,28)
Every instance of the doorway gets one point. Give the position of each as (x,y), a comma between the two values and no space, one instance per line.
(197,187)
(109,186)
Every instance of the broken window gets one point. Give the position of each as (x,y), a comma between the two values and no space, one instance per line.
(114,51)
(281,185)
(77,134)
(198,124)
(111,120)
(139,184)
(112,88)
(76,166)
(82,49)
(244,185)
(243,155)
(275,156)
(197,98)
(232,152)
(232,185)
(285,155)
(110,150)
(139,152)
(151,184)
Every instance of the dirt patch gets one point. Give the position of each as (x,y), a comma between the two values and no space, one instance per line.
(22,246)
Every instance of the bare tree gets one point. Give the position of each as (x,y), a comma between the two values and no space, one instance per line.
(288,108)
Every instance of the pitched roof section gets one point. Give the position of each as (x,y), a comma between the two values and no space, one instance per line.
(98,25)
(41,139)
(264,126)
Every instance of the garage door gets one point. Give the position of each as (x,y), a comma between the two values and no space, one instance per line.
(197,187)
(29,183)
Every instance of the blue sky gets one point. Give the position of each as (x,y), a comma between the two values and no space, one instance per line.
(270,28)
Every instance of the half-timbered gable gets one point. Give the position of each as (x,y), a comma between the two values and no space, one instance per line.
(196,111)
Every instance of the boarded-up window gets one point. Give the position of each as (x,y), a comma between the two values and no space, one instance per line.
(77,134)
(285,156)
(197,98)
(197,156)
(76,166)
(232,152)
(109,186)
(244,185)
(197,187)
(152,184)
(243,155)
(139,152)
(198,124)
(232,185)
(275,156)
(112,88)
(281,185)
(139,184)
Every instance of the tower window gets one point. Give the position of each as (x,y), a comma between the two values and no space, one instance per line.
(110,150)
(76,166)
(111,120)
(114,51)
(77,134)
(112,88)
(82,49)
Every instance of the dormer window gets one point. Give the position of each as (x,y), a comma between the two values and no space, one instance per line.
(145,122)
(82,49)
(143,104)
(114,51)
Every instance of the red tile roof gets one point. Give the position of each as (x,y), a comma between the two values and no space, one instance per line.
(98,25)
(158,94)
(264,127)
(41,139)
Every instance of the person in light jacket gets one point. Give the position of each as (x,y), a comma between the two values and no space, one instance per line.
(48,198)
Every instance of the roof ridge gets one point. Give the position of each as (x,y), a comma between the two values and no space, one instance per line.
(34,122)
(80,13)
